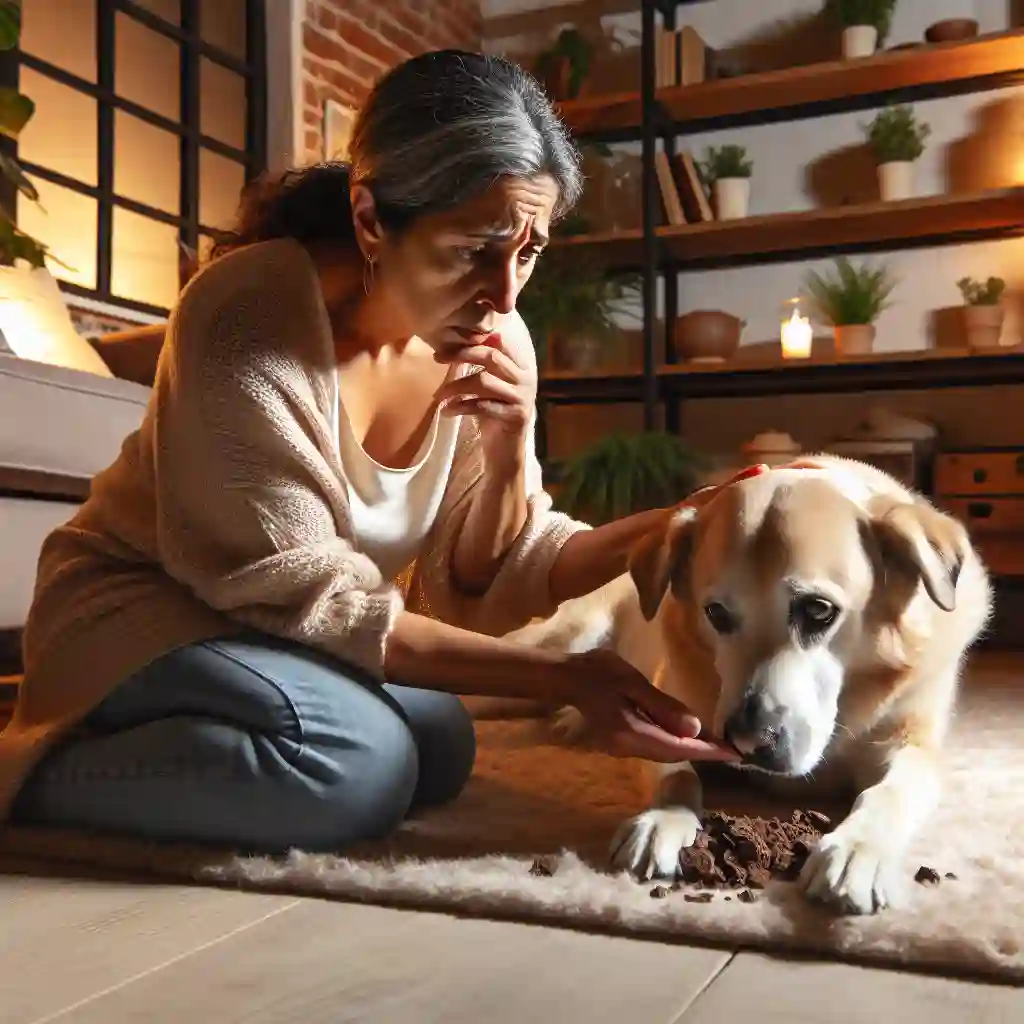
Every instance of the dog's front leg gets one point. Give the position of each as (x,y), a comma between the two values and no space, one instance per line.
(649,844)
(857,868)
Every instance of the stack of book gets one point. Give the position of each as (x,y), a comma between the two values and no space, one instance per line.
(683,197)
(680,57)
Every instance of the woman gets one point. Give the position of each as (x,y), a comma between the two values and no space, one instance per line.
(217,652)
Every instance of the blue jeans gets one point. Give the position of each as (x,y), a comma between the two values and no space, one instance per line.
(257,744)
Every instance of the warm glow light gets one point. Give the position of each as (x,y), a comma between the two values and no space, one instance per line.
(797,336)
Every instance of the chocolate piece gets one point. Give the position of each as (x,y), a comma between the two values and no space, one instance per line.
(951,876)
(737,852)
(746,896)
(927,876)
(699,897)
(659,892)
(544,867)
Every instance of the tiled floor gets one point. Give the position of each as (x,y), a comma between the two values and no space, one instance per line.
(113,952)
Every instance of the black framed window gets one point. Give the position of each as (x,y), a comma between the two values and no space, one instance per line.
(150,118)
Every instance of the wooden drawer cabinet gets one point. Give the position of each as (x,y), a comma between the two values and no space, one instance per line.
(968,473)
(984,515)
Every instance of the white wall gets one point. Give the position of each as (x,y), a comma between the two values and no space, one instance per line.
(977,142)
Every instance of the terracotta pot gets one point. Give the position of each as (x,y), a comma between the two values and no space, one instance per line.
(579,353)
(773,448)
(855,339)
(707,336)
(859,41)
(984,326)
(951,30)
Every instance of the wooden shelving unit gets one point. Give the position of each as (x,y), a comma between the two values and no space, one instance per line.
(775,237)
(811,90)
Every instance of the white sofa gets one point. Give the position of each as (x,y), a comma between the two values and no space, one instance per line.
(58,428)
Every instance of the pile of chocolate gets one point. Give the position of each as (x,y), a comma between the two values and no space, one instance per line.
(739,852)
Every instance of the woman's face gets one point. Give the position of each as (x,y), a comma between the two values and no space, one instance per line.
(451,278)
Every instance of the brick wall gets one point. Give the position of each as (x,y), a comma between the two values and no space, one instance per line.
(348,44)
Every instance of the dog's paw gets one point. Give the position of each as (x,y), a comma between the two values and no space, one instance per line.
(568,726)
(853,871)
(648,845)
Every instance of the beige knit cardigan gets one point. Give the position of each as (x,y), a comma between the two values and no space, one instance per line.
(227,510)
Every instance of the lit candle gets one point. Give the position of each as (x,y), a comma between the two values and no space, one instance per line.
(797,336)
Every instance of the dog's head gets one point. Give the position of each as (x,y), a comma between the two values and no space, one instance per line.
(792,584)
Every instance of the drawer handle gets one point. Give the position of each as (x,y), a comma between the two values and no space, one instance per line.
(980,509)
(981,475)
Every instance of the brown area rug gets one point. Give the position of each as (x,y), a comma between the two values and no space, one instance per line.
(475,857)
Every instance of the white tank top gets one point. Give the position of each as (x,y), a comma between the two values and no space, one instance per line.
(393,510)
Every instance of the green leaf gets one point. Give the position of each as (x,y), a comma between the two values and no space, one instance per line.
(10,24)
(11,170)
(15,112)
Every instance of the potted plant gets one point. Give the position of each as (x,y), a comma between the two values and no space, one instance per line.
(626,473)
(865,24)
(727,171)
(573,307)
(983,314)
(563,67)
(850,299)
(897,140)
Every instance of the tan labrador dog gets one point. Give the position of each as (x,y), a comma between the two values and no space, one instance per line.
(817,619)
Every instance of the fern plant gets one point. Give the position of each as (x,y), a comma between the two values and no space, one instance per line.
(627,473)
(725,162)
(850,295)
(896,135)
(851,13)
(16,111)
(977,293)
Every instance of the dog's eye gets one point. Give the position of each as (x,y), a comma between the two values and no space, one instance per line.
(722,620)
(813,614)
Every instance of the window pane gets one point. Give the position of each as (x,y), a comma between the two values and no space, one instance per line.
(62,134)
(223,25)
(147,163)
(146,68)
(221,103)
(145,259)
(169,10)
(62,33)
(66,222)
(220,187)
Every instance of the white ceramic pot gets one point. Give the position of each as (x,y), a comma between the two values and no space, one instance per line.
(984,326)
(732,198)
(855,339)
(859,41)
(896,180)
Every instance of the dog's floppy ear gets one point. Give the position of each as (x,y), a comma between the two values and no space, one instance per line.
(660,559)
(923,544)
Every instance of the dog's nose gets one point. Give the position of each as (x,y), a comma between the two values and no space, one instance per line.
(757,731)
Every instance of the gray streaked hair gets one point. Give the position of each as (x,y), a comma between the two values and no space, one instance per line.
(439,129)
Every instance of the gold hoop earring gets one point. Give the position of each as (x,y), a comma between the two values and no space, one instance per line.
(368,274)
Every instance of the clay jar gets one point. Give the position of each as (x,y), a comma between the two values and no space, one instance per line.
(984,326)
(854,339)
(707,336)
(951,30)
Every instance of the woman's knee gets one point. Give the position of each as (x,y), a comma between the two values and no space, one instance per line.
(445,739)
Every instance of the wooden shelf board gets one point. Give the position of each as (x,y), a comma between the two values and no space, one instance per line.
(741,377)
(810,90)
(938,220)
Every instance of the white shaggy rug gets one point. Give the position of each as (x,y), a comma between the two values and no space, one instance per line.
(475,856)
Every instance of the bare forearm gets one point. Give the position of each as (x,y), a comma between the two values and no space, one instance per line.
(591,558)
(434,656)
(495,519)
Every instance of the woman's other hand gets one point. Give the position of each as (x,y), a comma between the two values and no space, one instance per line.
(628,717)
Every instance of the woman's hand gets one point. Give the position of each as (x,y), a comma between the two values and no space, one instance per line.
(629,717)
(501,395)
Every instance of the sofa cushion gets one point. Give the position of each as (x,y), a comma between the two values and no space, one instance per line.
(24,525)
(61,423)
